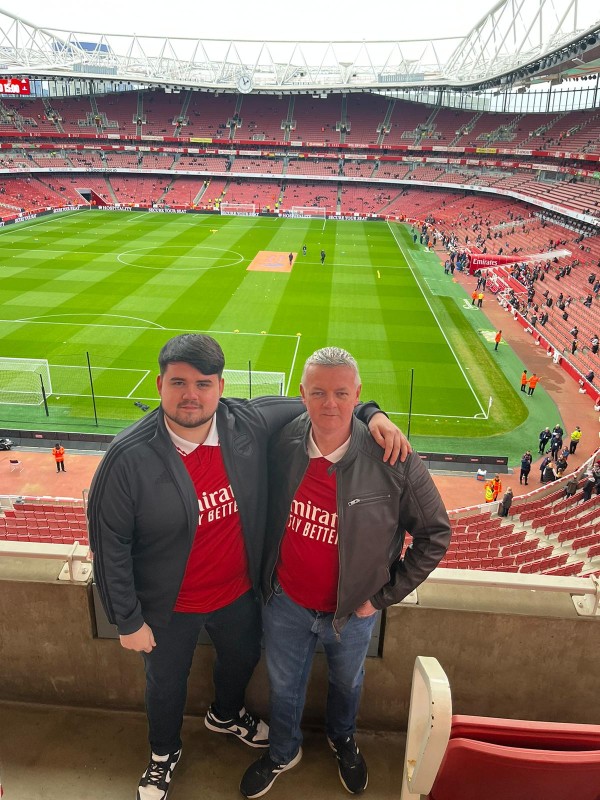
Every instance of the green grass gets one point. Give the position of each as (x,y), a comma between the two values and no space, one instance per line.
(116,286)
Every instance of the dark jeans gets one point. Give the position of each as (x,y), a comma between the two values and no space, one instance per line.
(573,447)
(235,631)
(524,476)
(60,465)
(291,635)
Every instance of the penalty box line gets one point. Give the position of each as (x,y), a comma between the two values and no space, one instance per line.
(144,328)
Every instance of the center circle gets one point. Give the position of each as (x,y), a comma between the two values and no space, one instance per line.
(190,262)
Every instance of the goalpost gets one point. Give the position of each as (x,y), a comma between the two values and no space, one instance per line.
(309,212)
(24,381)
(252,383)
(315,212)
(238,210)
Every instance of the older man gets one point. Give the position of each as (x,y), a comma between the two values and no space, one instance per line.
(333,558)
(176,516)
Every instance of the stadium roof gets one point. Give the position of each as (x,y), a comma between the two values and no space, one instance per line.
(524,39)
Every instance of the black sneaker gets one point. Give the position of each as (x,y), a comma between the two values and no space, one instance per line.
(249,729)
(260,776)
(155,782)
(351,764)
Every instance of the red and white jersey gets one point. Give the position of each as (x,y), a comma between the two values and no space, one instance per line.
(217,570)
(308,567)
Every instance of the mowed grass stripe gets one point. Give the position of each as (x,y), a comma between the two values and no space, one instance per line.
(383,320)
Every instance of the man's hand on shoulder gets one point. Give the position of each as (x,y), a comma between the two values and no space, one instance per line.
(390,437)
(366,610)
(141,641)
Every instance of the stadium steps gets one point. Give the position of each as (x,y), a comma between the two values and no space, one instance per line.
(343,122)
(466,129)
(111,190)
(139,114)
(51,115)
(168,188)
(385,125)
(203,189)
(96,112)
(391,202)
(289,123)
(65,155)
(237,114)
(182,116)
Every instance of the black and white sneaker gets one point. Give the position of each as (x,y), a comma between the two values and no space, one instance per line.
(260,776)
(156,781)
(249,729)
(351,764)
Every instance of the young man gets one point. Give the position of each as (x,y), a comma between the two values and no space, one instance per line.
(497,339)
(335,534)
(322,256)
(303,249)
(176,515)
(291,258)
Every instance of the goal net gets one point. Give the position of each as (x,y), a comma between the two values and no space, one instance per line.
(20,382)
(309,211)
(246,383)
(238,210)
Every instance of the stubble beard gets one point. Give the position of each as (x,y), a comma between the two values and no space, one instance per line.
(188,421)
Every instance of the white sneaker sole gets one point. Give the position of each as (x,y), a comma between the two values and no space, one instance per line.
(238,734)
(342,781)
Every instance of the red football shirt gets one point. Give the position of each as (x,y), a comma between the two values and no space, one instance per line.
(308,566)
(217,570)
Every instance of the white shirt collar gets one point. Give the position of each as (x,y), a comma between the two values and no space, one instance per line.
(314,452)
(184,447)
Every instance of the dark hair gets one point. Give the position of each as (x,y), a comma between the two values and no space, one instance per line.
(201,351)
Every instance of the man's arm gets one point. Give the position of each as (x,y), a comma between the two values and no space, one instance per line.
(390,437)
(111,525)
(423,515)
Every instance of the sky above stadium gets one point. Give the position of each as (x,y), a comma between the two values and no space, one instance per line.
(241,19)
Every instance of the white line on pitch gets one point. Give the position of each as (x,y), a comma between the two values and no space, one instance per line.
(436,319)
(141,380)
(142,328)
(33,223)
(287,391)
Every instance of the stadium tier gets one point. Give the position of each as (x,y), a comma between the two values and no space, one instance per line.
(545,533)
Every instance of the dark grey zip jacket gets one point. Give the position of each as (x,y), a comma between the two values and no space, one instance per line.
(143,507)
(376,505)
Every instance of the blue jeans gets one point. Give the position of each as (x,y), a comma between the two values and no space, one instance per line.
(291,634)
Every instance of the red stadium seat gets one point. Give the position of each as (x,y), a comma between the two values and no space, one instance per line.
(482,758)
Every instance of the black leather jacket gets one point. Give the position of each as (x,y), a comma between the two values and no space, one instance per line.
(376,505)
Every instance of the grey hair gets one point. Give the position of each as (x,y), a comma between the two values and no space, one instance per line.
(331,357)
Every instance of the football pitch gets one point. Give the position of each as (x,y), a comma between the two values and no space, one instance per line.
(97,294)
